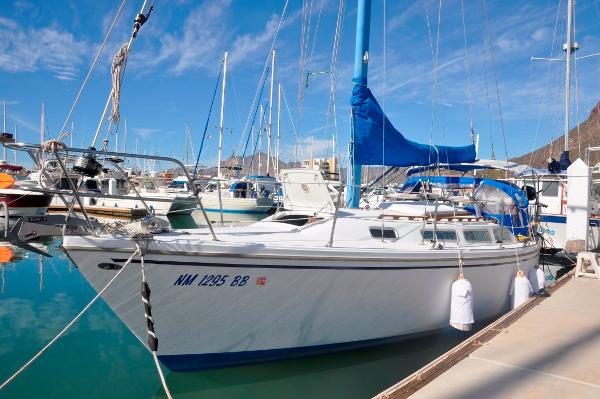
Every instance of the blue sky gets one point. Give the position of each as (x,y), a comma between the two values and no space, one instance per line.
(46,49)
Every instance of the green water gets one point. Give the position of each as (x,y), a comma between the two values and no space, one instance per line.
(100,358)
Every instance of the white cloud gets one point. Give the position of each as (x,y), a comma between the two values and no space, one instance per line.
(146,132)
(48,48)
(253,46)
(8,23)
(199,44)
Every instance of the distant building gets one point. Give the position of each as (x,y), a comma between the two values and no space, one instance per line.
(327,166)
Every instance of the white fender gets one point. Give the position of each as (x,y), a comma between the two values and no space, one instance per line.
(537,279)
(461,304)
(521,290)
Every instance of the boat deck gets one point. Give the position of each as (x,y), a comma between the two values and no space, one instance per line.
(103,210)
(552,351)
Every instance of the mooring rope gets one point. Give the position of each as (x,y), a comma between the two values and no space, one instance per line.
(64,330)
(152,338)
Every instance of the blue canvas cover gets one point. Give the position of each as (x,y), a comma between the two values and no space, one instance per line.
(511,209)
(369,121)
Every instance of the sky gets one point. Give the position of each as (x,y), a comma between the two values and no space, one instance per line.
(484,79)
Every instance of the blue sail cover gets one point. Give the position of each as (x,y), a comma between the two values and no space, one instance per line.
(369,120)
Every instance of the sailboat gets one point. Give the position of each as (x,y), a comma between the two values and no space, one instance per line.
(271,290)
(249,195)
(550,185)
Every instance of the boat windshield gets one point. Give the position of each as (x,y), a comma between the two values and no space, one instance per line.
(177,184)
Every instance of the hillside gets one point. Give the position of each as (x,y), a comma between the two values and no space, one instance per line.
(588,136)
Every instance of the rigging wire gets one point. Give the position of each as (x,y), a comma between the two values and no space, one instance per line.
(306,22)
(63,134)
(331,109)
(212,102)
(491,41)
(435,55)
(291,121)
(312,50)
(469,94)
(256,98)
(547,79)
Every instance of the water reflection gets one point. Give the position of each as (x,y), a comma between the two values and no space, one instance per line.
(196,219)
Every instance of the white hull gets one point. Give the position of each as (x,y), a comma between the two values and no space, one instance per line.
(310,302)
(554,230)
(177,205)
(236,205)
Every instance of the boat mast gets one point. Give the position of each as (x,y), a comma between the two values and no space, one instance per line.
(270,126)
(361,62)
(278,127)
(570,47)
(4,130)
(42,132)
(222,114)
(187,157)
(260,129)
(15,151)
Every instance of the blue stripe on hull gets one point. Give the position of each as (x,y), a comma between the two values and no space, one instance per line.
(562,219)
(554,219)
(206,361)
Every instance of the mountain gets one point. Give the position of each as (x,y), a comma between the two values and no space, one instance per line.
(250,165)
(587,134)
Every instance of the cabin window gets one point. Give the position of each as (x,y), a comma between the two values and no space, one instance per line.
(550,188)
(385,232)
(443,235)
(91,184)
(477,235)
(503,235)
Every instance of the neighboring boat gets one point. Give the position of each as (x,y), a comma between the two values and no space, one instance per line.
(14,192)
(161,202)
(551,191)
(249,195)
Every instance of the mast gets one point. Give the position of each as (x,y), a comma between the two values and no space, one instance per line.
(270,125)
(187,157)
(42,123)
(260,129)
(361,60)
(42,128)
(570,47)
(278,127)
(222,114)
(4,130)
(125,134)
(15,151)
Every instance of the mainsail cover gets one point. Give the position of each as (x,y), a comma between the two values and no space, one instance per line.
(369,148)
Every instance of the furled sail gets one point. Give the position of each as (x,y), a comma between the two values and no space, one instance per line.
(369,148)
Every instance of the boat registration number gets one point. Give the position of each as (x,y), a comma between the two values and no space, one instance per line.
(215,280)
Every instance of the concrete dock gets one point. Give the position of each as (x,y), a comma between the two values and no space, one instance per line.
(548,348)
